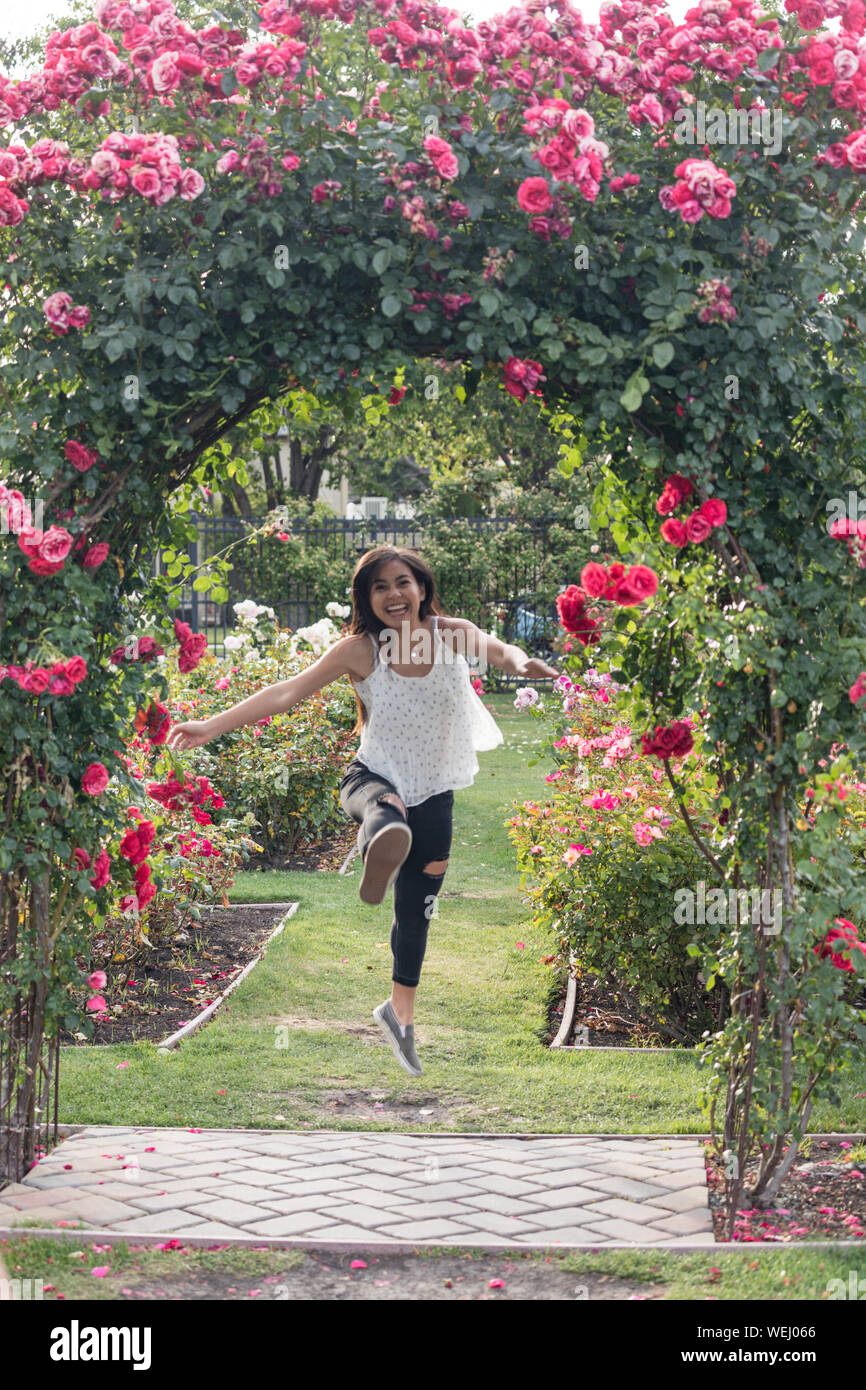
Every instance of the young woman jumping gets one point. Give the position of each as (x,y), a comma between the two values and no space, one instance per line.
(421,725)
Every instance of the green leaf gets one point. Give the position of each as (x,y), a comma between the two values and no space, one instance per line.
(489,303)
(391,306)
(663,353)
(382,260)
(769,58)
(228,83)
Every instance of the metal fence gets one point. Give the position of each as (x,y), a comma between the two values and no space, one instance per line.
(510,599)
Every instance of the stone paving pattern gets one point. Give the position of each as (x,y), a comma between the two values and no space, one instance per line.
(368,1187)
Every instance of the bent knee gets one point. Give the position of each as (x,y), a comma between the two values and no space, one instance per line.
(437,868)
(395,801)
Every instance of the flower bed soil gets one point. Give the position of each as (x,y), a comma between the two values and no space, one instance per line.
(609,1018)
(181,978)
(822,1198)
(328,853)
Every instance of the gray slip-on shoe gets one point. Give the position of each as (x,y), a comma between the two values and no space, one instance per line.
(383,860)
(402,1047)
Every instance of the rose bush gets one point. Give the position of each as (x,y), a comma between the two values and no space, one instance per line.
(606,854)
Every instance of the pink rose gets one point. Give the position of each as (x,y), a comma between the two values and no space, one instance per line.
(855,149)
(534,195)
(147,182)
(191,185)
(858,689)
(76,669)
(55,544)
(446,166)
(95,779)
(35,681)
(56,308)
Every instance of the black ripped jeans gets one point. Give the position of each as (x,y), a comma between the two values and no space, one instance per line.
(415,891)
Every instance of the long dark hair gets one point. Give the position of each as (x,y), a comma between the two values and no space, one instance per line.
(364,619)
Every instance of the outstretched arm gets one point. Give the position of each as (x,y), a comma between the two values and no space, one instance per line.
(472,641)
(278,698)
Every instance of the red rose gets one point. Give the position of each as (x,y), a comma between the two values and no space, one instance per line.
(95,556)
(676,490)
(95,779)
(714,510)
(102,865)
(697,527)
(641,582)
(76,669)
(589,633)
(191,652)
(570,606)
(669,741)
(79,455)
(615,573)
(674,532)
(593,579)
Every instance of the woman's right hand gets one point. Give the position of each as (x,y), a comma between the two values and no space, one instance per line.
(189,735)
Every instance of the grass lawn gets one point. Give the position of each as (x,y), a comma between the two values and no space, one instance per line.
(298,1033)
(244,1273)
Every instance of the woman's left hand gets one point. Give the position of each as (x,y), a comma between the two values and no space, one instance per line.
(536,668)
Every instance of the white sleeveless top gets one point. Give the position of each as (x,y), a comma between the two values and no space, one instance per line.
(422,732)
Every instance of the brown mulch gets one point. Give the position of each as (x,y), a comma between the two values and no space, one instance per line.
(610,1019)
(180,979)
(327,853)
(822,1198)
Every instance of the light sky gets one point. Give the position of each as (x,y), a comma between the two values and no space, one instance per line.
(20,17)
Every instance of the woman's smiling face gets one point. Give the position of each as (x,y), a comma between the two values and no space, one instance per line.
(395,594)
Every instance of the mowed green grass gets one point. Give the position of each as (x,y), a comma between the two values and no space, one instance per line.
(298,1033)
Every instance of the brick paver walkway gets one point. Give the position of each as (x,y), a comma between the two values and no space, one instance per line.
(366,1188)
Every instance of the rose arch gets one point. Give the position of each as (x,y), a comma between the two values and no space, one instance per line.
(198,217)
